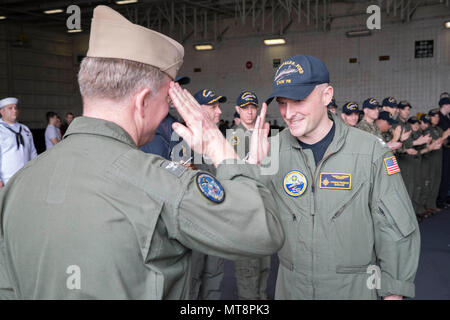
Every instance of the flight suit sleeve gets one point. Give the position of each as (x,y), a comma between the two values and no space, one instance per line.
(397,237)
(244,224)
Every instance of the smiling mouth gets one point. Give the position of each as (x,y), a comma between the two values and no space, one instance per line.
(296,122)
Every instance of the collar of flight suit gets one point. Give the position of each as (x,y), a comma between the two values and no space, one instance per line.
(340,132)
(100,127)
(241,126)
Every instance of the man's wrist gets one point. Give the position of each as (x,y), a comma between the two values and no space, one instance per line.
(225,152)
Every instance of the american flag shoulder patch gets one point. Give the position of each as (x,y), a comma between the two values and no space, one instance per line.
(391,165)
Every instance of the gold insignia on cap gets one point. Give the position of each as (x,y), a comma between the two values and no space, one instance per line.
(113,36)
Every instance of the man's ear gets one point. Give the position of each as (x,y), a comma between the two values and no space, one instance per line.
(238,110)
(342,116)
(141,101)
(328,95)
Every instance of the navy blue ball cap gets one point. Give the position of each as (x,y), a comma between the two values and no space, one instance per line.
(424,118)
(182,80)
(413,120)
(350,107)
(390,102)
(371,103)
(332,104)
(246,98)
(403,104)
(208,97)
(433,112)
(384,115)
(297,76)
(444,100)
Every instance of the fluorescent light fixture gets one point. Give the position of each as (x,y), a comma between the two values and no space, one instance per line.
(273,42)
(358,33)
(204,46)
(126,1)
(53,11)
(74,30)
(2,17)
(447,24)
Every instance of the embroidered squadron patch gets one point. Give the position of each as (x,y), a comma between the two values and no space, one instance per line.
(295,183)
(391,165)
(341,181)
(234,140)
(210,188)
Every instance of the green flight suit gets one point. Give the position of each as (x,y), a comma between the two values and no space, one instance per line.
(425,175)
(207,270)
(341,218)
(409,164)
(251,274)
(96,218)
(435,168)
(419,180)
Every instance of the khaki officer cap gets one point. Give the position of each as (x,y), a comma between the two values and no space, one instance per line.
(113,36)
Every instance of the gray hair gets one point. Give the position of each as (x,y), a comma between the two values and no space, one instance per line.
(116,79)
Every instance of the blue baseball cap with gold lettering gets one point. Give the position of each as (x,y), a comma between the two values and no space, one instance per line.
(350,107)
(390,102)
(246,98)
(297,76)
(208,97)
(371,103)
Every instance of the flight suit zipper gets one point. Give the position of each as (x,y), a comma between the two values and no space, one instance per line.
(313,190)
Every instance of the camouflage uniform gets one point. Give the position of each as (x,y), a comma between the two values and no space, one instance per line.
(371,128)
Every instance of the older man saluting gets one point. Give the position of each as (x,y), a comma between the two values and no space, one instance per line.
(104,220)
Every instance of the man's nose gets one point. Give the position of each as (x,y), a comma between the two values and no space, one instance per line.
(289,111)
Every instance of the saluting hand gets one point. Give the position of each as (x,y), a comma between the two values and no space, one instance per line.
(200,132)
(259,143)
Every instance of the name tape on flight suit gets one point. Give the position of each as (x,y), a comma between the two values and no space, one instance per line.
(342,181)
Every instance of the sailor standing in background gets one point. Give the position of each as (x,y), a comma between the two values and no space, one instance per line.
(16,141)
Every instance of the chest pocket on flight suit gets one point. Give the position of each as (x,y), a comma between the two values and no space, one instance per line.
(351,235)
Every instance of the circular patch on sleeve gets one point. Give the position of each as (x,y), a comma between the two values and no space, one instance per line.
(210,188)
(295,183)
(234,140)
